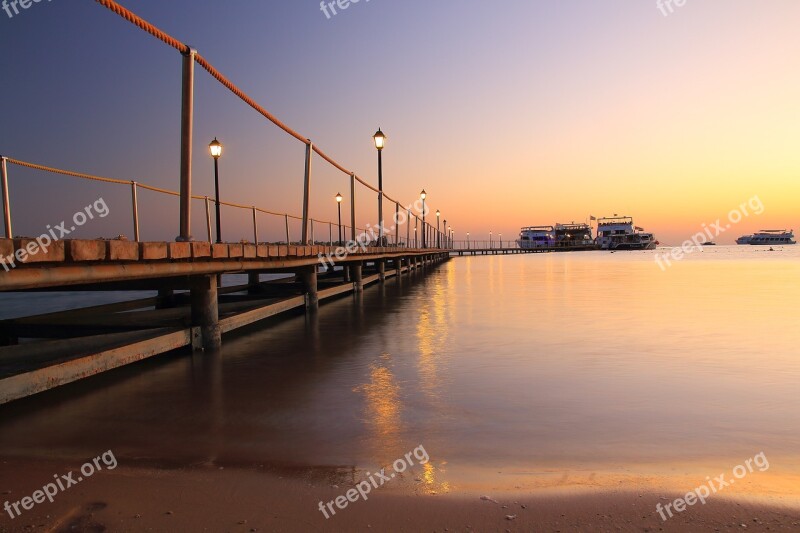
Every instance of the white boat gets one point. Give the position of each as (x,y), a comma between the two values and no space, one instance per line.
(534,237)
(619,233)
(574,235)
(767,237)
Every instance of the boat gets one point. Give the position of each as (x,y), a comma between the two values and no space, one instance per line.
(573,235)
(710,243)
(534,237)
(619,233)
(772,236)
(744,239)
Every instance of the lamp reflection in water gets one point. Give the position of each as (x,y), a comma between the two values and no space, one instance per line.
(383,410)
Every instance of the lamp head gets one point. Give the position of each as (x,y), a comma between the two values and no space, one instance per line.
(380,139)
(338,198)
(215,148)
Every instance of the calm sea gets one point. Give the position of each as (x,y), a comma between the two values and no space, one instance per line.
(517,365)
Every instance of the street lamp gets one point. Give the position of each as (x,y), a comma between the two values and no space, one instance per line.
(216,152)
(467,240)
(339,204)
(501,241)
(490,241)
(423,195)
(449,235)
(438,243)
(380,142)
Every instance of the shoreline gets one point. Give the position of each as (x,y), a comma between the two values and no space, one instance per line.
(214,498)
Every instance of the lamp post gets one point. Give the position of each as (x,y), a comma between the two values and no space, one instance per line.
(438,241)
(423,195)
(449,235)
(501,241)
(467,240)
(216,152)
(380,142)
(490,241)
(339,205)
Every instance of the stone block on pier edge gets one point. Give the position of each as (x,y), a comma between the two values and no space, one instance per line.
(262,251)
(235,251)
(250,251)
(201,250)
(180,250)
(86,250)
(153,250)
(123,251)
(55,252)
(219,251)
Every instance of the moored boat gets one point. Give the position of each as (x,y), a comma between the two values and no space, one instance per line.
(533,237)
(767,237)
(619,233)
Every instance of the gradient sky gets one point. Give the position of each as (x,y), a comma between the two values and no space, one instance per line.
(508,113)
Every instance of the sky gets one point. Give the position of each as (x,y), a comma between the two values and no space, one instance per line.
(508,114)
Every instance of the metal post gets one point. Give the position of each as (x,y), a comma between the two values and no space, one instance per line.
(306,192)
(408,228)
(380,197)
(287,229)
(330,233)
(416,229)
(312,230)
(187,115)
(6,202)
(255,226)
(339,205)
(219,206)
(208,218)
(135,200)
(353,206)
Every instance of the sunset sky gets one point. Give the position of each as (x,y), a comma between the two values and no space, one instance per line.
(508,113)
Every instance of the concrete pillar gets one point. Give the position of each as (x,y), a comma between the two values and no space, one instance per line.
(355,271)
(253,279)
(205,311)
(309,279)
(382,270)
(165,299)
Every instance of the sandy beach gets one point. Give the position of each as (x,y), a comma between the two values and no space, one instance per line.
(213,498)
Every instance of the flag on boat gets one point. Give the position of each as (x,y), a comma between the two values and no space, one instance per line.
(592,217)
(637,228)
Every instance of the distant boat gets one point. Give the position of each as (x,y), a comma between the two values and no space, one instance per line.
(619,233)
(534,237)
(744,239)
(711,243)
(772,236)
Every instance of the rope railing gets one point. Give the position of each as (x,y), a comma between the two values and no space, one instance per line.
(136,184)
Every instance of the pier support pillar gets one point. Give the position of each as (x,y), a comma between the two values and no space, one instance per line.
(205,311)
(358,282)
(346,270)
(165,299)
(253,280)
(382,270)
(309,279)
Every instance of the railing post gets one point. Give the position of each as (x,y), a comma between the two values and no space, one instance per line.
(187,116)
(330,233)
(306,192)
(6,202)
(408,228)
(396,224)
(135,200)
(353,206)
(311,221)
(255,226)
(208,218)
(287,229)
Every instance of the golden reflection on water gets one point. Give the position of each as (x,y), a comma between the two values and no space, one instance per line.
(383,408)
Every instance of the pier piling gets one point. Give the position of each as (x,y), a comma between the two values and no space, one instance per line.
(205,311)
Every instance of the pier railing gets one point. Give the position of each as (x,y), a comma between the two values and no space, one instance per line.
(311,230)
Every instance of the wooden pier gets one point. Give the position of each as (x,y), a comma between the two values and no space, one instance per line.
(190,309)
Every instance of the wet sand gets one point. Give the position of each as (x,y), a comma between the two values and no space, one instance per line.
(213,498)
